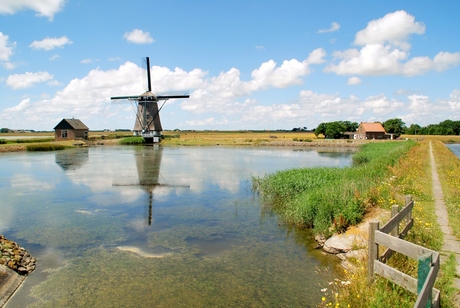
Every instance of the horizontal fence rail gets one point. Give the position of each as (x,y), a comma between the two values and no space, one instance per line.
(390,237)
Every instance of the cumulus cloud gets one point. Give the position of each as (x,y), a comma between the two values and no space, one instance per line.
(27,80)
(353,80)
(89,97)
(44,8)
(217,93)
(334,27)
(385,50)
(394,28)
(6,51)
(50,43)
(138,37)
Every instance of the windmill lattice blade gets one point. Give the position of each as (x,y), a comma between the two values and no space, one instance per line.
(149,82)
(125,97)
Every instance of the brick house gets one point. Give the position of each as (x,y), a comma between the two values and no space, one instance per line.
(70,129)
(371,130)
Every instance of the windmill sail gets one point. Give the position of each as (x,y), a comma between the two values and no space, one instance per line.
(148,123)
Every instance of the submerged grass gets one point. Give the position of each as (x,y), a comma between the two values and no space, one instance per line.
(325,197)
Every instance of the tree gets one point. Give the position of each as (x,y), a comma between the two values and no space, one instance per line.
(335,130)
(394,126)
(350,126)
(321,129)
(414,129)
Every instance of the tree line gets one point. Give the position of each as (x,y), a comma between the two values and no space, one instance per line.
(337,129)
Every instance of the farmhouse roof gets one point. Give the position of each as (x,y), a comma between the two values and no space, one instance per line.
(71,124)
(372,127)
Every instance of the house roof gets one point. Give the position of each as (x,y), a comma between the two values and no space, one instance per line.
(372,127)
(71,124)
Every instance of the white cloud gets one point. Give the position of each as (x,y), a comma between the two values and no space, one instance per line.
(88,61)
(50,43)
(54,57)
(385,49)
(89,97)
(22,106)
(334,27)
(353,80)
(381,105)
(260,47)
(46,8)
(138,37)
(27,80)
(6,51)
(393,28)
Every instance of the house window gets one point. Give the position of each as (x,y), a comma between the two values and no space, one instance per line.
(64,134)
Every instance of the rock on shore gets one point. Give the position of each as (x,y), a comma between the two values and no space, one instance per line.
(15,257)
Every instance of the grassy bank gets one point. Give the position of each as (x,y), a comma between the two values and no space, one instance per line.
(449,174)
(381,177)
(322,198)
(44,147)
(410,175)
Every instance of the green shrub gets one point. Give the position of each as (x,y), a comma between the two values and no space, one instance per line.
(44,147)
(2,141)
(132,140)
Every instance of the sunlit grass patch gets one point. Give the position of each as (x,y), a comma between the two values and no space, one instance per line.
(449,173)
(412,174)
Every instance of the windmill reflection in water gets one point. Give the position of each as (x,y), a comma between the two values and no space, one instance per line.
(148,162)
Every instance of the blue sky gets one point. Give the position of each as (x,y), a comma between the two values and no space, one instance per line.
(247,64)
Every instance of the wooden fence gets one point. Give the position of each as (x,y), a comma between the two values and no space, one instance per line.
(390,237)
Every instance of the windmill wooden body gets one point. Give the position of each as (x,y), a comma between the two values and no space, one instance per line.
(147,123)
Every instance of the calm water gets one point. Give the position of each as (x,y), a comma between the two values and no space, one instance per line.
(455,148)
(163,227)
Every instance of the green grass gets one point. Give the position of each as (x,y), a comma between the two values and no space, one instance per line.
(324,197)
(26,140)
(133,140)
(44,147)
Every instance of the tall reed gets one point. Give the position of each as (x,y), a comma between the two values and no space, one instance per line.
(324,197)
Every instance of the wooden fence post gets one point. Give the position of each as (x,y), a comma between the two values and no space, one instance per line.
(372,250)
(409,216)
(394,212)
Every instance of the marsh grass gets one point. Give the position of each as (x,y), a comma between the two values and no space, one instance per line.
(44,147)
(330,197)
(133,140)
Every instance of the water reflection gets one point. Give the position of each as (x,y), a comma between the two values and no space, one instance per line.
(72,159)
(201,238)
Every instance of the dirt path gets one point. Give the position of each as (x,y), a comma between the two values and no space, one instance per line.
(450,244)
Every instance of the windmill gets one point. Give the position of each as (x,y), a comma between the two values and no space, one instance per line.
(147,123)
